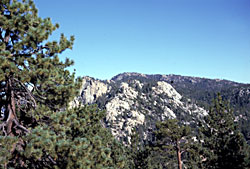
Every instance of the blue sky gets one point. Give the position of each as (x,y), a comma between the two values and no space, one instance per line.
(205,38)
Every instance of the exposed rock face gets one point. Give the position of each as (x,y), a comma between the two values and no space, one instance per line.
(165,88)
(202,91)
(89,92)
(92,89)
(136,104)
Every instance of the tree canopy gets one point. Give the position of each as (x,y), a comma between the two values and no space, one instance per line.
(33,79)
(38,127)
(223,144)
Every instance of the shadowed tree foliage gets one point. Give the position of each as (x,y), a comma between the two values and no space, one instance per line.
(74,139)
(172,147)
(37,127)
(34,83)
(223,144)
(33,80)
(176,139)
(138,153)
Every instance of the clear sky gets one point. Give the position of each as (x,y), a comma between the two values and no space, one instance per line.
(205,38)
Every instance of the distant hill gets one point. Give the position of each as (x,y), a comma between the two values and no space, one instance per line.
(203,90)
(134,100)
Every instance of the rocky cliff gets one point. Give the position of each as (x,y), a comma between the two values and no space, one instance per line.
(202,91)
(136,104)
(137,101)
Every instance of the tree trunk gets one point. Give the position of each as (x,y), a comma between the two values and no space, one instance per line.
(178,151)
(11,108)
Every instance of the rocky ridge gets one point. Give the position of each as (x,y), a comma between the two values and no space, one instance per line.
(135,104)
(201,92)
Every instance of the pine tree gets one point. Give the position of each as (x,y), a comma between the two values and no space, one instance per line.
(137,151)
(33,79)
(34,83)
(223,144)
(74,138)
(37,127)
(175,141)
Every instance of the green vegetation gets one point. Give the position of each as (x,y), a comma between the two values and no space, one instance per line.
(40,129)
(223,144)
(176,140)
(202,91)
(218,144)
(172,146)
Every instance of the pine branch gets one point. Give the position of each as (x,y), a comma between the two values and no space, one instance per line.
(21,126)
(31,53)
(39,93)
(51,159)
(3,89)
(7,36)
(1,36)
(3,129)
(27,90)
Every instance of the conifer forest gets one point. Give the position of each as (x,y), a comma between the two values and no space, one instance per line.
(40,127)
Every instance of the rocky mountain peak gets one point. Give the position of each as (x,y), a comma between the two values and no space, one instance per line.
(137,101)
(136,104)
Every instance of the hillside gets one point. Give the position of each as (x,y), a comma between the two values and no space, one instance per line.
(202,91)
(135,104)
(134,100)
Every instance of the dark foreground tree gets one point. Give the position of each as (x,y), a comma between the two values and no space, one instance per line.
(178,141)
(37,127)
(138,153)
(223,144)
(33,79)
(73,139)
(173,146)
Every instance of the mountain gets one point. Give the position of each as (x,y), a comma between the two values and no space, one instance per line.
(134,100)
(202,91)
(199,90)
